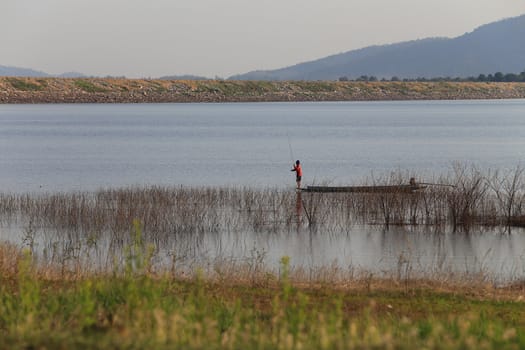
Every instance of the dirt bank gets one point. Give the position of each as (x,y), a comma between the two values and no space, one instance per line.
(107,90)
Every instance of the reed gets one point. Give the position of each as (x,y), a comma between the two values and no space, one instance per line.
(469,198)
(509,195)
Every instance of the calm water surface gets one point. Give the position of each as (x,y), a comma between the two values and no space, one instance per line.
(47,148)
(85,147)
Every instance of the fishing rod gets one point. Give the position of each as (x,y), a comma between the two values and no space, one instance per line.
(290,147)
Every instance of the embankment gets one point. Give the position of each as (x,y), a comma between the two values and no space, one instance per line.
(109,90)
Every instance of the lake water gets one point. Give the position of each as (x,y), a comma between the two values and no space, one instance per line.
(85,147)
(49,148)
(422,251)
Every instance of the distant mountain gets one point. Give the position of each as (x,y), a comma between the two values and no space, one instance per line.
(6,71)
(71,75)
(494,47)
(183,77)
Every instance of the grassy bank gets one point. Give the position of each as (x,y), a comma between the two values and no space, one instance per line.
(135,309)
(109,90)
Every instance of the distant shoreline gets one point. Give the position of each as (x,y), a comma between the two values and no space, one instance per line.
(108,90)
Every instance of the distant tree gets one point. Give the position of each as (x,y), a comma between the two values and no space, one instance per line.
(496,77)
(363,78)
(510,77)
(345,78)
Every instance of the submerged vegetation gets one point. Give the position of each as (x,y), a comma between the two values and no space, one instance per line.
(464,198)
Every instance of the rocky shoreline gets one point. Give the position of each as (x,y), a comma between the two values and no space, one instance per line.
(110,90)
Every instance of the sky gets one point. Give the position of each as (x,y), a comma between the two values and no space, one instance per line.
(219,38)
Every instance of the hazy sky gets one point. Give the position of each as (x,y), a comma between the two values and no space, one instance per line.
(219,37)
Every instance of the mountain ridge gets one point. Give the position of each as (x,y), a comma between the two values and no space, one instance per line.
(11,71)
(492,47)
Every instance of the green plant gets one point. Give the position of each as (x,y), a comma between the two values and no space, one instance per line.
(89,86)
(24,85)
(138,254)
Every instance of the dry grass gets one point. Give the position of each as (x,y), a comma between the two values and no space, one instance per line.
(10,257)
(107,90)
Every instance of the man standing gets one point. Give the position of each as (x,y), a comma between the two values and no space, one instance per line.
(298,172)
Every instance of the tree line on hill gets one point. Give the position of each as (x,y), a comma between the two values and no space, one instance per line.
(496,77)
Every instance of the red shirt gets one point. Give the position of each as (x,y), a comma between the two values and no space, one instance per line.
(297,168)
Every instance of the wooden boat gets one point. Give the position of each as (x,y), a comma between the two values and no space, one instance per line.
(366,189)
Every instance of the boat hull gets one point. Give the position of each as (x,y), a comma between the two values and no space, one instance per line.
(365,189)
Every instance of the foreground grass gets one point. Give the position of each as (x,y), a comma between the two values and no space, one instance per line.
(136,309)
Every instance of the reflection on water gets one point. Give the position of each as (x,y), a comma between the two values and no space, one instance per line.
(380,251)
(422,250)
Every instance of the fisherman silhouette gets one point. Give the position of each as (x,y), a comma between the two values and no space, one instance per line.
(298,173)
